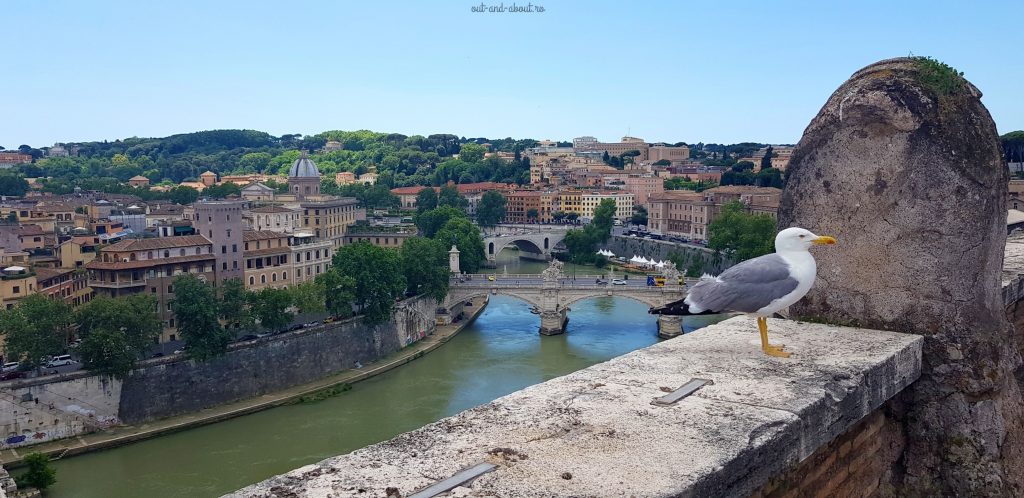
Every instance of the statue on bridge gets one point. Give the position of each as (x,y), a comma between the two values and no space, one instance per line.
(553,273)
(671,273)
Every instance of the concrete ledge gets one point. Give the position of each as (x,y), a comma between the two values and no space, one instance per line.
(595,432)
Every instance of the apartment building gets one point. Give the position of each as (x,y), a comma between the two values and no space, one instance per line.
(328,217)
(268,260)
(276,218)
(310,256)
(686,213)
(221,222)
(151,265)
(591,200)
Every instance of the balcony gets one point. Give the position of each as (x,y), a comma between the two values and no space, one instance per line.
(119,284)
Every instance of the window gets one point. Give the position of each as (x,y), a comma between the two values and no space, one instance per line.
(234,247)
(252,280)
(167,254)
(170,288)
(234,265)
(152,289)
(182,252)
(248,263)
(284,275)
(223,249)
(171,324)
(150,255)
(229,232)
(263,279)
(17,289)
(273,277)
(225,265)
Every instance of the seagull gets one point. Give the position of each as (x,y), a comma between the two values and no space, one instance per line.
(760,286)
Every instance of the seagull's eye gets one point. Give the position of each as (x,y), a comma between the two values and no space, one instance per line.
(802,236)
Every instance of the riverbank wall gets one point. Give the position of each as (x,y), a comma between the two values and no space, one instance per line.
(627,247)
(61,406)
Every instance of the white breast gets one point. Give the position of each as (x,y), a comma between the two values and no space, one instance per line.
(803,268)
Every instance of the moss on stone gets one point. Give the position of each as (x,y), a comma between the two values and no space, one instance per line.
(939,77)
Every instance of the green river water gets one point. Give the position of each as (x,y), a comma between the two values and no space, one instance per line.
(499,353)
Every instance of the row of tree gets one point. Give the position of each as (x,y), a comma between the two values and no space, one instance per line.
(581,244)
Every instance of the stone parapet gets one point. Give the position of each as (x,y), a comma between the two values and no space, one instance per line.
(596,433)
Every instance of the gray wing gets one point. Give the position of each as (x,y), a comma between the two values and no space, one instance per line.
(746,287)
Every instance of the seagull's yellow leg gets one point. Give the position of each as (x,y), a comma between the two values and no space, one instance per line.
(762,325)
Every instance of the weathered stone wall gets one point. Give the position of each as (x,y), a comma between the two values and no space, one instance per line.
(174,388)
(660,249)
(56,407)
(34,412)
(857,464)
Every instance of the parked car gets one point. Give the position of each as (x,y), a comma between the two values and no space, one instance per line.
(157,354)
(602,282)
(60,361)
(10,366)
(13,374)
(310,324)
(618,281)
(490,278)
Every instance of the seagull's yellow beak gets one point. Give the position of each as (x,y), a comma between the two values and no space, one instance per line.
(824,239)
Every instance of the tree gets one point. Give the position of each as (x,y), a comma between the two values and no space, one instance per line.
(183,195)
(450,196)
(662,162)
(426,200)
(255,162)
(308,297)
(741,235)
(116,333)
(270,307)
(40,473)
(558,216)
(195,308)
(604,218)
(425,266)
(629,156)
(339,292)
(378,277)
(639,216)
(429,222)
(766,161)
(532,214)
(605,158)
(467,239)
(744,166)
(221,191)
(13,185)
(120,160)
(471,152)
(491,208)
(35,328)
(233,308)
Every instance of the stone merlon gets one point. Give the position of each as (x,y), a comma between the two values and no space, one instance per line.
(596,433)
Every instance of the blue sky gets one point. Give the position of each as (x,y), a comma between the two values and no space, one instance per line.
(665,71)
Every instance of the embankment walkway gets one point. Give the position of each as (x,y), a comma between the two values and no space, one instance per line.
(121,435)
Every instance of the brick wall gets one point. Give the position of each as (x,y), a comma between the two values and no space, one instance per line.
(857,464)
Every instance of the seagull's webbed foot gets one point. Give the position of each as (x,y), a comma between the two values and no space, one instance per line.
(769,349)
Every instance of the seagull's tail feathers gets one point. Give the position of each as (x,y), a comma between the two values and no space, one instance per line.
(678,308)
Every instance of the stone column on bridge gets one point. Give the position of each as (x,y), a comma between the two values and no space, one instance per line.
(552,315)
(453,259)
(670,326)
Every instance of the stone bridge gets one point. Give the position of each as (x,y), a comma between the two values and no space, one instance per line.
(552,293)
(536,243)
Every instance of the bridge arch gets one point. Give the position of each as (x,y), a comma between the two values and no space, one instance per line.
(536,243)
(649,300)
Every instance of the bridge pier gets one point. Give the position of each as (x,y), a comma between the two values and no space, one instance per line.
(553,322)
(669,326)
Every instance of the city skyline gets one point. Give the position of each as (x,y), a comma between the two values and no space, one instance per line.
(666,72)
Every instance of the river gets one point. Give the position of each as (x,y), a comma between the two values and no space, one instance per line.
(499,353)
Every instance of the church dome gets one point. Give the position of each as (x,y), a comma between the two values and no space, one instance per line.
(303,167)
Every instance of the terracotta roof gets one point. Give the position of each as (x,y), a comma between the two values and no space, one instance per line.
(138,177)
(157,243)
(54,208)
(169,208)
(744,189)
(146,263)
(273,209)
(251,235)
(415,189)
(267,251)
(48,273)
(256,186)
(208,173)
(30,230)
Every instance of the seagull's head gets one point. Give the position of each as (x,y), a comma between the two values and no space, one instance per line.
(799,239)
